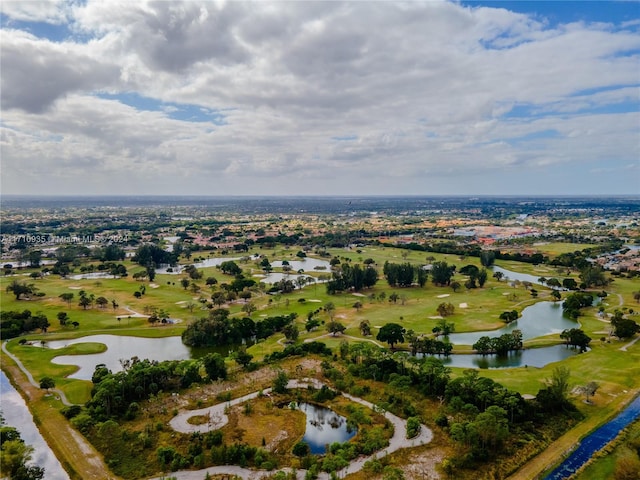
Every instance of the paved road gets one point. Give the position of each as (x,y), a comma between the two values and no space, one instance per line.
(217,419)
(60,393)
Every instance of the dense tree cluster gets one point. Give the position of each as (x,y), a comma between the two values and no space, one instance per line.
(576,337)
(116,394)
(505,343)
(351,277)
(574,302)
(153,256)
(14,323)
(404,274)
(218,329)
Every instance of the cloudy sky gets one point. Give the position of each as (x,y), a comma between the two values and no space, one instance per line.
(319,98)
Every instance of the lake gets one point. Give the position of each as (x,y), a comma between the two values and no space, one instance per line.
(542,318)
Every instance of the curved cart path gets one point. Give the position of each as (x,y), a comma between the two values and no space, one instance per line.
(217,419)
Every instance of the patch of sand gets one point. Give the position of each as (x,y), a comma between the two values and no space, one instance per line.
(181,302)
(75,288)
(358,294)
(314,300)
(463,305)
(436,317)
(154,285)
(506,293)
(444,295)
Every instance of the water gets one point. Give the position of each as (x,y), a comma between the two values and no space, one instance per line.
(278,277)
(16,414)
(522,277)
(324,427)
(596,441)
(533,357)
(543,318)
(120,347)
(307,265)
(90,276)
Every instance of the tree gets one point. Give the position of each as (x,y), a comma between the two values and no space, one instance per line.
(357,306)
(102,302)
(391,333)
(63,318)
(291,332)
(487,257)
(185,283)
(86,302)
(20,288)
(15,455)
(482,277)
(444,328)
(445,309)
(66,297)
(365,328)
(624,327)
(589,390)
(330,308)
(243,358)
(556,295)
(46,383)
(249,308)
(441,273)
(334,327)
(280,382)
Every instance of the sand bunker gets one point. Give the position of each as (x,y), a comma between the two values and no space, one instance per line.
(444,295)
(463,305)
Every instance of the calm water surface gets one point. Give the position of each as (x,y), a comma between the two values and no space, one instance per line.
(324,427)
(16,414)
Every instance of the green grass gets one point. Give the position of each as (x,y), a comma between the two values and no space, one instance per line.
(605,363)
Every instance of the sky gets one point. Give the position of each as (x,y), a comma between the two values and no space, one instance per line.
(127,97)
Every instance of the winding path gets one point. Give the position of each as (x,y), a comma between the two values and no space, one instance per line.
(217,419)
(32,381)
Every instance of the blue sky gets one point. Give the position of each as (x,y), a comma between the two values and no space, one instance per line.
(120,97)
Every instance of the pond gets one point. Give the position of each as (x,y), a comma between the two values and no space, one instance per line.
(17,415)
(532,357)
(120,347)
(274,277)
(324,427)
(542,318)
(522,277)
(307,265)
(91,276)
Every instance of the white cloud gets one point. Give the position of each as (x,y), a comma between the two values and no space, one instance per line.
(426,89)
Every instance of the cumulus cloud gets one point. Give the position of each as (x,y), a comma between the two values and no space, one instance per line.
(328,91)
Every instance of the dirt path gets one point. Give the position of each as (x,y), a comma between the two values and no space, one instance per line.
(217,418)
(78,457)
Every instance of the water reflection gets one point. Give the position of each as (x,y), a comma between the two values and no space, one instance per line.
(543,318)
(16,414)
(533,357)
(324,427)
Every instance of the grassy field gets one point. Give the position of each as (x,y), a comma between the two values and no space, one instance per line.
(617,371)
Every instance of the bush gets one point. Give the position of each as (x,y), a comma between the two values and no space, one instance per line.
(413,427)
(71,411)
(301,449)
